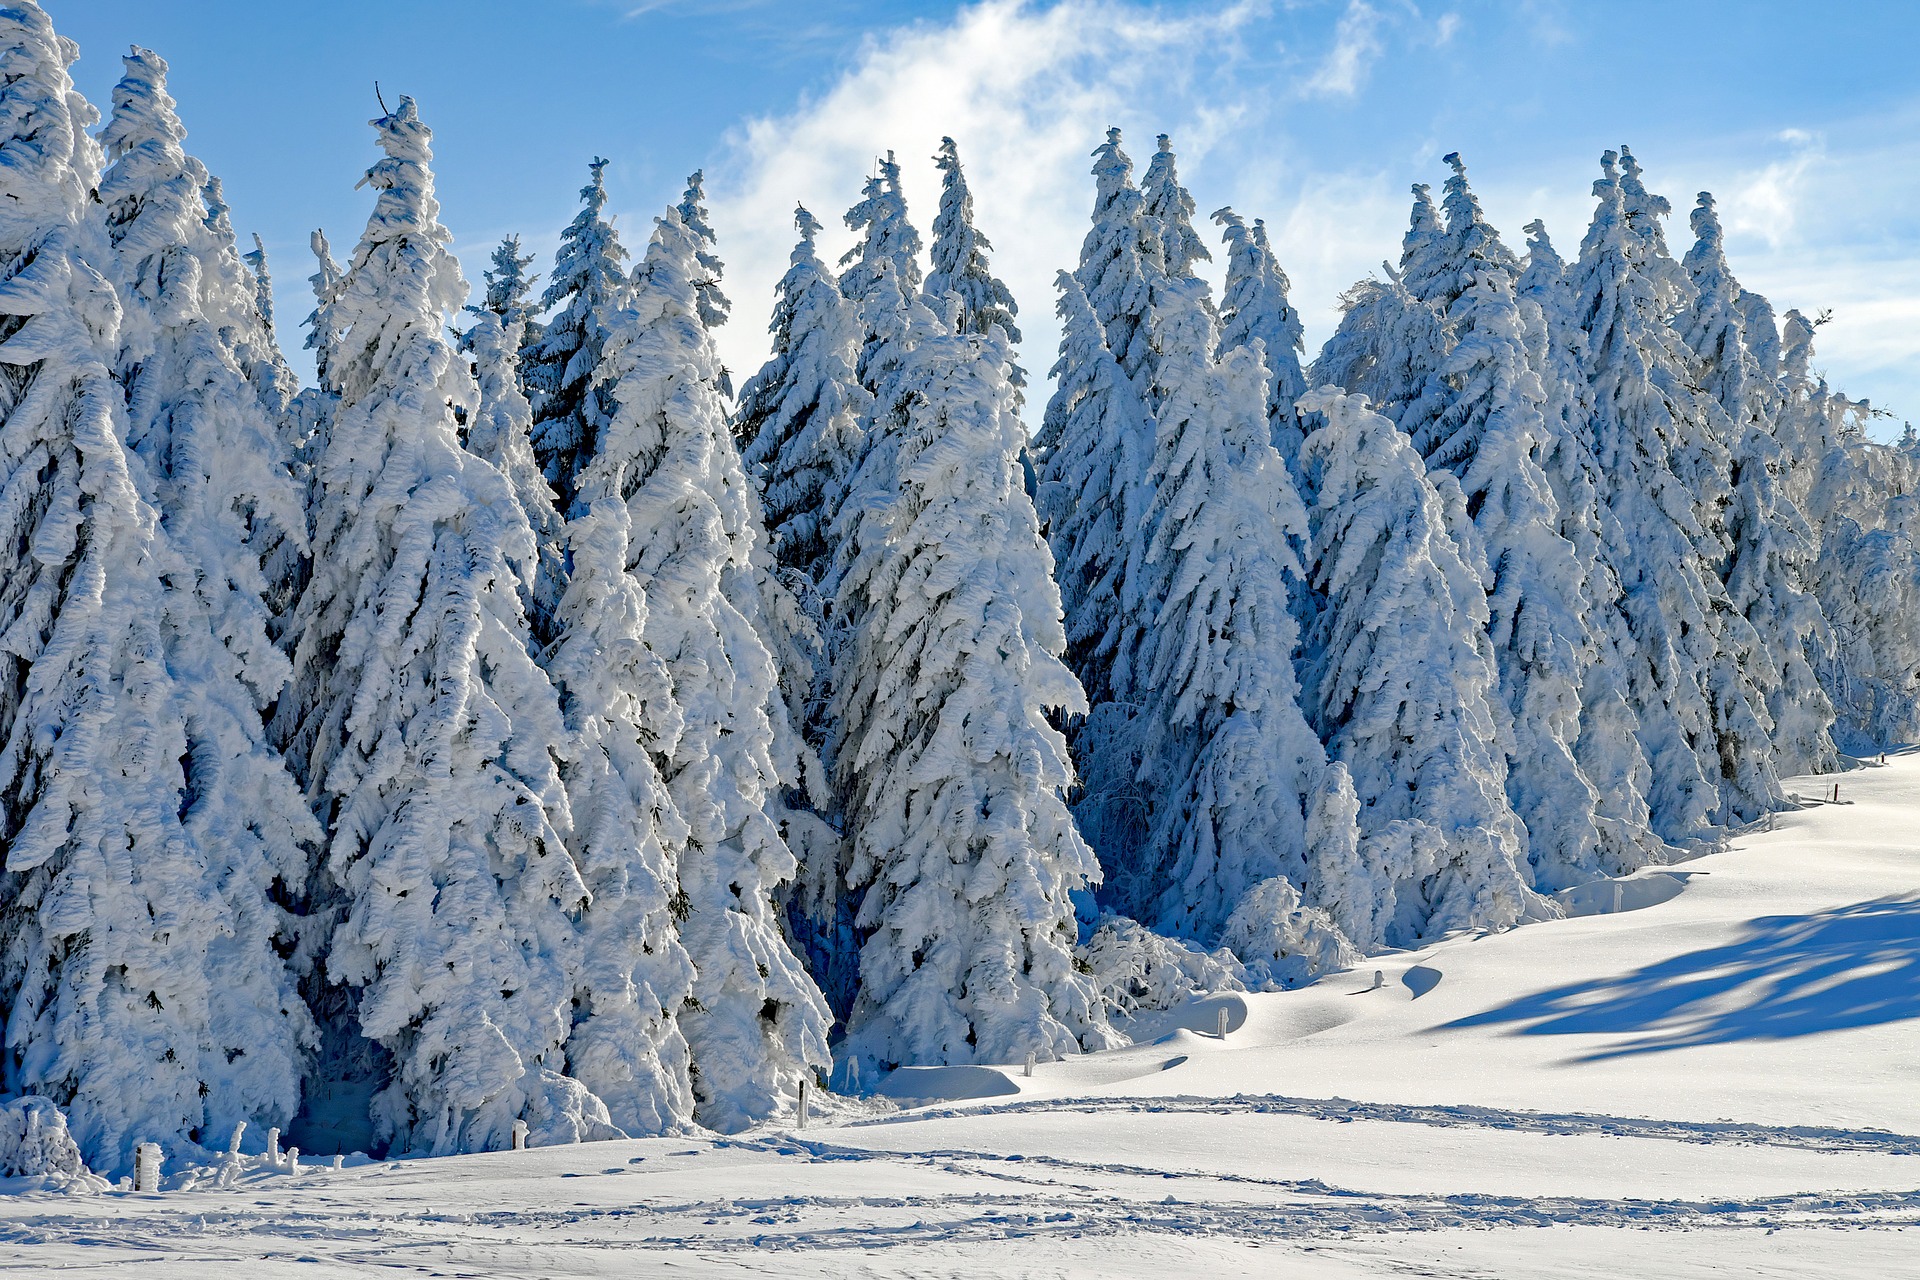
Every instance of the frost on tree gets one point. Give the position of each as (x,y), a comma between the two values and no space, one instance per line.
(960,264)
(1169,210)
(889,244)
(500,430)
(587,285)
(1254,306)
(427,731)
(799,421)
(1771,545)
(1607,749)
(1231,765)
(953,775)
(799,417)
(1401,685)
(1490,434)
(136,931)
(1704,738)
(1120,257)
(756,1023)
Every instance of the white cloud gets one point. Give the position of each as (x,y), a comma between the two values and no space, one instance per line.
(1767,203)
(1356,44)
(1026,91)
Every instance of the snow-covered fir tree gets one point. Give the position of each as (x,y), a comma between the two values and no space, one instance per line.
(960,265)
(1120,257)
(1233,767)
(756,1024)
(137,927)
(1169,209)
(1401,684)
(1771,545)
(799,421)
(422,726)
(888,244)
(500,430)
(1704,738)
(1608,747)
(1491,434)
(1253,306)
(953,776)
(587,285)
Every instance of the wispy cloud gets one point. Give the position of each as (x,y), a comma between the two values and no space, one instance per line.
(1767,203)
(1356,44)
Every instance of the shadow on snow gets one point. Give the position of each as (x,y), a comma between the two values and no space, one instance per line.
(1789,976)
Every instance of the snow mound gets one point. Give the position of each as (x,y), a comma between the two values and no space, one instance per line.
(946,1084)
(37,1153)
(1634,893)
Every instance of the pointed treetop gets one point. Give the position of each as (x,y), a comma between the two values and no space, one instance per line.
(808,225)
(509,282)
(715,307)
(1172,206)
(960,262)
(1422,258)
(881,217)
(1472,243)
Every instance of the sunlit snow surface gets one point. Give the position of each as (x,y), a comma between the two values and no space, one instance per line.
(1723,1083)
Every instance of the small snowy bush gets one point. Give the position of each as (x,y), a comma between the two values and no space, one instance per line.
(1281,943)
(1140,971)
(35,1143)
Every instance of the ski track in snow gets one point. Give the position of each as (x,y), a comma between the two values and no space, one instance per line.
(1798,1137)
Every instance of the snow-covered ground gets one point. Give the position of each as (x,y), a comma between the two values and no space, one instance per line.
(1724,1082)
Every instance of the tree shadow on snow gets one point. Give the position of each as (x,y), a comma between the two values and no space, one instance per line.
(1789,976)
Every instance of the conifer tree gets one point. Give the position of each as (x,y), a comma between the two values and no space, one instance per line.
(587,285)
(1170,208)
(1490,434)
(1771,544)
(756,1024)
(1647,429)
(1121,255)
(888,243)
(137,929)
(1254,306)
(1401,686)
(799,421)
(960,265)
(1233,765)
(425,731)
(954,779)
(500,431)
(1608,747)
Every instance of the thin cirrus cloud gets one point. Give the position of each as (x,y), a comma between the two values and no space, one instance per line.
(1356,46)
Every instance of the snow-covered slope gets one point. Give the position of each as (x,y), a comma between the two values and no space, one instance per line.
(1718,1083)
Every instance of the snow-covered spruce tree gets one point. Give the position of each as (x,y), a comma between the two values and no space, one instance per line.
(1867,576)
(230,294)
(323,322)
(799,416)
(508,284)
(1232,765)
(1771,544)
(756,1023)
(1092,499)
(960,265)
(714,305)
(500,431)
(143,993)
(1607,749)
(1253,306)
(215,456)
(1094,448)
(888,243)
(799,419)
(273,379)
(1401,684)
(954,779)
(1119,259)
(1703,740)
(1490,434)
(1169,208)
(425,731)
(587,285)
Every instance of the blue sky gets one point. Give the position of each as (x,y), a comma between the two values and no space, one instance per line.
(1315,114)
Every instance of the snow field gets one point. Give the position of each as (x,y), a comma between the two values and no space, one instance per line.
(1733,1126)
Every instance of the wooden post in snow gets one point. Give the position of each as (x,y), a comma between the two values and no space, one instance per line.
(1220,1023)
(273,1147)
(802,1110)
(519,1135)
(1031,1058)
